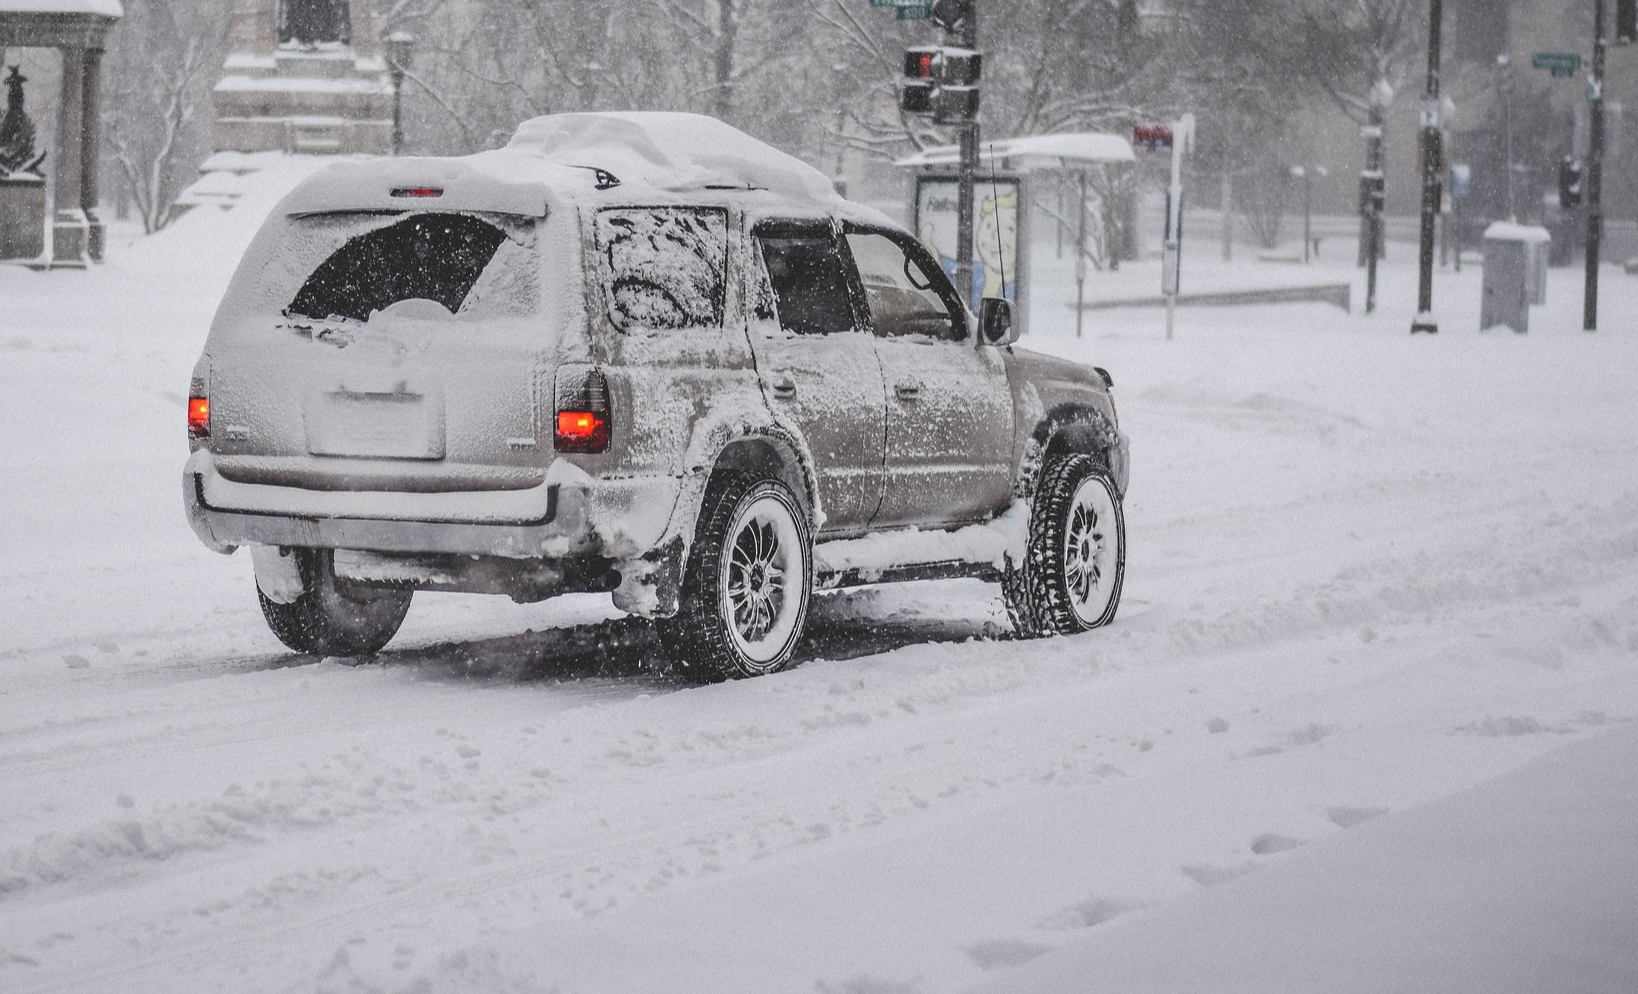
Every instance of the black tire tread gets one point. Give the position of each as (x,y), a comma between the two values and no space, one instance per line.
(1035,593)
(325,620)
(696,638)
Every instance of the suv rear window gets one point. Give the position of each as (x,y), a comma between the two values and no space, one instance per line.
(431,256)
(664,268)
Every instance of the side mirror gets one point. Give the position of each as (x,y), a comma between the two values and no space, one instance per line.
(995,323)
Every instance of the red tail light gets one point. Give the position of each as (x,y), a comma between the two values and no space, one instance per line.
(198,417)
(583,419)
(418,191)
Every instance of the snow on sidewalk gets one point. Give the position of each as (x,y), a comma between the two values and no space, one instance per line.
(1526,884)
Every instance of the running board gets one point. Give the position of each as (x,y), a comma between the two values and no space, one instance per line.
(950,570)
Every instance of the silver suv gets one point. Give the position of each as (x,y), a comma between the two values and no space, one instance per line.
(636,353)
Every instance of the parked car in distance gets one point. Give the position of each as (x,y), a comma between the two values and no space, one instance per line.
(637,353)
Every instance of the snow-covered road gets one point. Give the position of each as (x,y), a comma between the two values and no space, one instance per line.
(1366,572)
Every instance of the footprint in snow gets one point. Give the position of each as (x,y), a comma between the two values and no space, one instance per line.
(1269,843)
(1209,876)
(1347,817)
(1089,913)
(997,954)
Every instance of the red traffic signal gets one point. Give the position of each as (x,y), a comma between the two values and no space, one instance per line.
(942,82)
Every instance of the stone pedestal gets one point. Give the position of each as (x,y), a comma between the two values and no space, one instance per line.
(325,97)
(22,218)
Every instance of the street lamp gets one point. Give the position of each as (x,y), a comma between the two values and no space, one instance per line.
(400,47)
(1432,175)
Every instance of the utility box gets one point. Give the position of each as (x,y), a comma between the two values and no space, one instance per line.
(1515,274)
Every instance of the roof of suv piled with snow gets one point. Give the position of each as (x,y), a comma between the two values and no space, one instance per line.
(573,155)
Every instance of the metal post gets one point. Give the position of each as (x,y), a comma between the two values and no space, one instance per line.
(400,46)
(1080,260)
(1307,211)
(1504,95)
(1373,205)
(1424,320)
(1595,171)
(967,38)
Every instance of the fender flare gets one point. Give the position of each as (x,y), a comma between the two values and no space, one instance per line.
(651,585)
(1071,428)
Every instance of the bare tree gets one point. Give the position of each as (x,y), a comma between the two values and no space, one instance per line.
(159,71)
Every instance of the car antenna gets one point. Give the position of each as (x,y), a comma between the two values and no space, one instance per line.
(995,198)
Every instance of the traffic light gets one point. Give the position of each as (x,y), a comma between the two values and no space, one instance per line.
(952,15)
(1370,193)
(1570,175)
(942,82)
(1626,21)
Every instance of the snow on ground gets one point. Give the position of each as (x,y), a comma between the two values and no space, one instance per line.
(1374,665)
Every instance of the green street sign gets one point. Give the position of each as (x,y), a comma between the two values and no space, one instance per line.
(1561,64)
(908,10)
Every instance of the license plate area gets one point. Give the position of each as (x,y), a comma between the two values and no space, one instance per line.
(401,423)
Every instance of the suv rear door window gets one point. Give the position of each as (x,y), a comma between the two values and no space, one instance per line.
(430,256)
(664,268)
(809,277)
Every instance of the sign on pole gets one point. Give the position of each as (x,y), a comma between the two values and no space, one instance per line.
(1561,64)
(907,10)
(1151,136)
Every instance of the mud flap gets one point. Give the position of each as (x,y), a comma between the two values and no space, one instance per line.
(651,585)
(277,574)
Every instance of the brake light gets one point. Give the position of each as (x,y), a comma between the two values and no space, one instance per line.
(583,417)
(418,191)
(198,417)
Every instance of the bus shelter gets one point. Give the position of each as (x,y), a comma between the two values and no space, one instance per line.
(1020,178)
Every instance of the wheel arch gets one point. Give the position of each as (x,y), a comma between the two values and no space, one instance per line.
(1071,429)
(651,585)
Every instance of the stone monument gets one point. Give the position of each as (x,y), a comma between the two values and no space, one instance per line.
(22,185)
(77,29)
(304,76)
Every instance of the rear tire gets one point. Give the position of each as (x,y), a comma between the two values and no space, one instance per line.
(333,617)
(746,584)
(1075,563)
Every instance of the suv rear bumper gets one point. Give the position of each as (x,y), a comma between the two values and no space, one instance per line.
(548,520)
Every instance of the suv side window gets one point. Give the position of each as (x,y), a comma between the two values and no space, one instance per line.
(809,277)
(906,293)
(664,268)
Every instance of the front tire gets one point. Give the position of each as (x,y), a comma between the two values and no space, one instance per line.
(1071,576)
(333,617)
(746,584)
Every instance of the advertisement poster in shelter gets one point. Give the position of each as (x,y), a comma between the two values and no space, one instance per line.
(998,236)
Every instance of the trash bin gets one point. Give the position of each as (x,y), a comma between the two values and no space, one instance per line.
(1515,274)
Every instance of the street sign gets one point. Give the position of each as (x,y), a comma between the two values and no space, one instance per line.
(907,10)
(1561,64)
(1151,136)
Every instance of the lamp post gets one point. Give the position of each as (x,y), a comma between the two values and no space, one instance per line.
(1372,186)
(1431,170)
(400,47)
(1595,170)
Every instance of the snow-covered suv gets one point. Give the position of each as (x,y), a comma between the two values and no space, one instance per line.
(637,353)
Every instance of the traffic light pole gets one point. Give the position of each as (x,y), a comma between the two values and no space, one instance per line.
(1430,180)
(1595,171)
(967,37)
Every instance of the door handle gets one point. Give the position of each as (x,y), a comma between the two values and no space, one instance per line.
(783,386)
(908,391)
